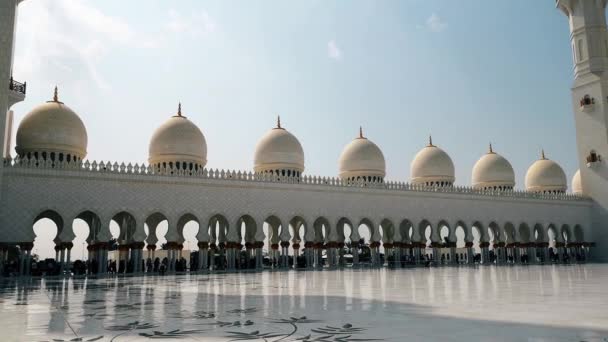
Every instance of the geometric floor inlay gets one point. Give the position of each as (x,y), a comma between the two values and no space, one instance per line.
(488,303)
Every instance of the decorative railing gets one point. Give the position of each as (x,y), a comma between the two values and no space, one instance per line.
(248,176)
(16,86)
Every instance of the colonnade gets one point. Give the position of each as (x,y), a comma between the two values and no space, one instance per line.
(236,244)
(212,258)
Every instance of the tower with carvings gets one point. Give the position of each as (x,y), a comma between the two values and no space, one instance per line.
(589,44)
(11,90)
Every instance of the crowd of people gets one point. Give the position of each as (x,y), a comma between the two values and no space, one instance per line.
(156,265)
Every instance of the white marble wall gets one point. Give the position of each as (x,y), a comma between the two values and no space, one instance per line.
(28,192)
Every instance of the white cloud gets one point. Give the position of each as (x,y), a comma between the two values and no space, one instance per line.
(197,24)
(435,23)
(333,51)
(64,40)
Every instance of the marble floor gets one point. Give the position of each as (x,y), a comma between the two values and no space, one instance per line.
(527,303)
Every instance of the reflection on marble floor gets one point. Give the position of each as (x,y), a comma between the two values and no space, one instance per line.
(534,303)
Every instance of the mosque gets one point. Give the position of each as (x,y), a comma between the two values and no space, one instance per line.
(307,217)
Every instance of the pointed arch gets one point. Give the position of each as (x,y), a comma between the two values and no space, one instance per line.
(367,223)
(127,225)
(298,228)
(218,229)
(406,230)
(566,233)
(188,226)
(322,229)
(151,224)
(525,234)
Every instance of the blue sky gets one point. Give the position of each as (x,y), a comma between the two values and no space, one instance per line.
(467,72)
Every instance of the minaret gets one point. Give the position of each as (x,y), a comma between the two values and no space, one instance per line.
(11,91)
(589,43)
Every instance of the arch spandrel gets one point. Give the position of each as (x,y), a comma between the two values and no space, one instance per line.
(509,232)
(566,233)
(496,232)
(552,229)
(320,234)
(579,233)
(482,230)
(388,231)
(93,221)
(539,233)
(404,230)
(525,233)
(253,230)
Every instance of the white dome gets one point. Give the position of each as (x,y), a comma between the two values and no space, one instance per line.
(278,150)
(577,186)
(362,158)
(493,170)
(178,140)
(545,175)
(431,166)
(52,127)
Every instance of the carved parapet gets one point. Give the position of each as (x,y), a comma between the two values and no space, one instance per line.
(143,170)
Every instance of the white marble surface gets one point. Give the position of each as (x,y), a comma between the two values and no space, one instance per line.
(534,303)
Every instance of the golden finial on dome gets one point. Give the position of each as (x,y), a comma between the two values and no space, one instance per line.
(279,121)
(431,141)
(491,150)
(361,132)
(179,109)
(542,154)
(55,97)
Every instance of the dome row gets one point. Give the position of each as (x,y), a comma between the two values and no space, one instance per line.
(52,130)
